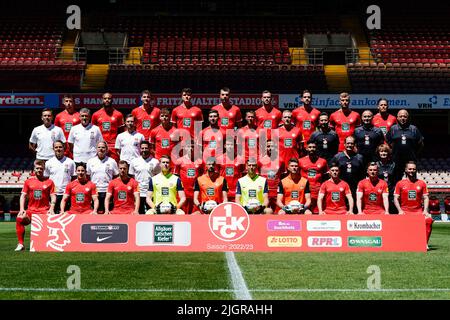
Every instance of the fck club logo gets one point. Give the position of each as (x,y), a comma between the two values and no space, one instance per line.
(229,221)
(56,225)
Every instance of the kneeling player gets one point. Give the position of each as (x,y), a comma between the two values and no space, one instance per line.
(372,194)
(41,200)
(294,191)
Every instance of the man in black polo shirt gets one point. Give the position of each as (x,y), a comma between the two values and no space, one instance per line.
(368,138)
(406,142)
(326,140)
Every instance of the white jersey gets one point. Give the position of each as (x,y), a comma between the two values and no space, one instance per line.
(61,172)
(44,137)
(84,141)
(102,172)
(143,169)
(129,145)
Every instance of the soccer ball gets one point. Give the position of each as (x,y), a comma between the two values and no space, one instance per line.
(295,206)
(26,220)
(165,207)
(253,205)
(209,205)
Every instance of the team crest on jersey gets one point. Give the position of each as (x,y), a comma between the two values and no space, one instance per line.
(341,189)
(345,126)
(87,189)
(418,188)
(37,194)
(224,121)
(187,122)
(165,143)
(106,126)
(267,123)
(129,187)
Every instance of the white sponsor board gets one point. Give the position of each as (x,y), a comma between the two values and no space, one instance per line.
(323,225)
(324,242)
(364,225)
(173,233)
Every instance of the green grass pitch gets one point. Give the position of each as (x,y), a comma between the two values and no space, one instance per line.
(176,275)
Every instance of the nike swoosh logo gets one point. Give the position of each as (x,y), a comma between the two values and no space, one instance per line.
(102,239)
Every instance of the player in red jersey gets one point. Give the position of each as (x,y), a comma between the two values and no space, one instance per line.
(372,194)
(383,119)
(125,192)
(271,167)
(188,169)
(162,138)
(111,122)
(67,119)
(81,193)
(146,116)
(306,117)
(209,187)
(334,191)
(210,139)
(314,169)
(248,137)
(229,114)
(290,139)
(344,120)
(41,200)
(267,116)
(411,196)
(231,167)
(186,116)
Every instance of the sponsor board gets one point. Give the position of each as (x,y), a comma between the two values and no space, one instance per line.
(29,100)
(364,225)
(104,233)
(284,225)
(284,242)
(324,242)
(323,225)
(229,221)
(174,233)
(364,242)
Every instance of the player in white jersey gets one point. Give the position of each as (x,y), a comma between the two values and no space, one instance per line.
(128,142)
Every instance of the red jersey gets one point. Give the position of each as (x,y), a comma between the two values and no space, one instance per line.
(411,194)
(268,120)
(145,120)
(66,121)
(229,118)
(344,125)
(384,125)
(271,170)
(81,196)
(185,118)
(372,200)
(163,140)
(188,171)
(335,195)
(212,142)
(38,193)
(123,195)
(247,142)
(232,171)
(306,121)
(289,142)
(314,172)
(109,125)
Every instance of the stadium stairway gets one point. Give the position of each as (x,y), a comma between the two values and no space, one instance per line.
(337,78)
(134,56)
(67,46)
(95,77)
(298,56)
(353,25)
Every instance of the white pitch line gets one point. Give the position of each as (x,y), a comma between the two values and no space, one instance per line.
(237,280)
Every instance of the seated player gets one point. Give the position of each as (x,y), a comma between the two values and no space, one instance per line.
(372,194)
(293,191)
(81,193)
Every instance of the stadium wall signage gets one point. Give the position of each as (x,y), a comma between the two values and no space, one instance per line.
(195,233)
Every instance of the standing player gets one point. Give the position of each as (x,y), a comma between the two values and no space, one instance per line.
(146,116)
(81,193)
(125,192)
(231,167)
(335,191)
(61,170)
(101,170)
(210,139)
(252,191)
(84,137)
(368,138)
(67,119)
(229,114)
(294,188)
(163,191)
(41,200)
(162,138)
(386,171)
(142,169)
(306,116)
(42,137)
(372,195)
(110,122)
(314,169)
(267,116)
(248,137)
(411,196)
(326,139)
(344,120)
(128,142)
(186,115)
(209,187)
(290,139)
(188,169)
(383,119)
